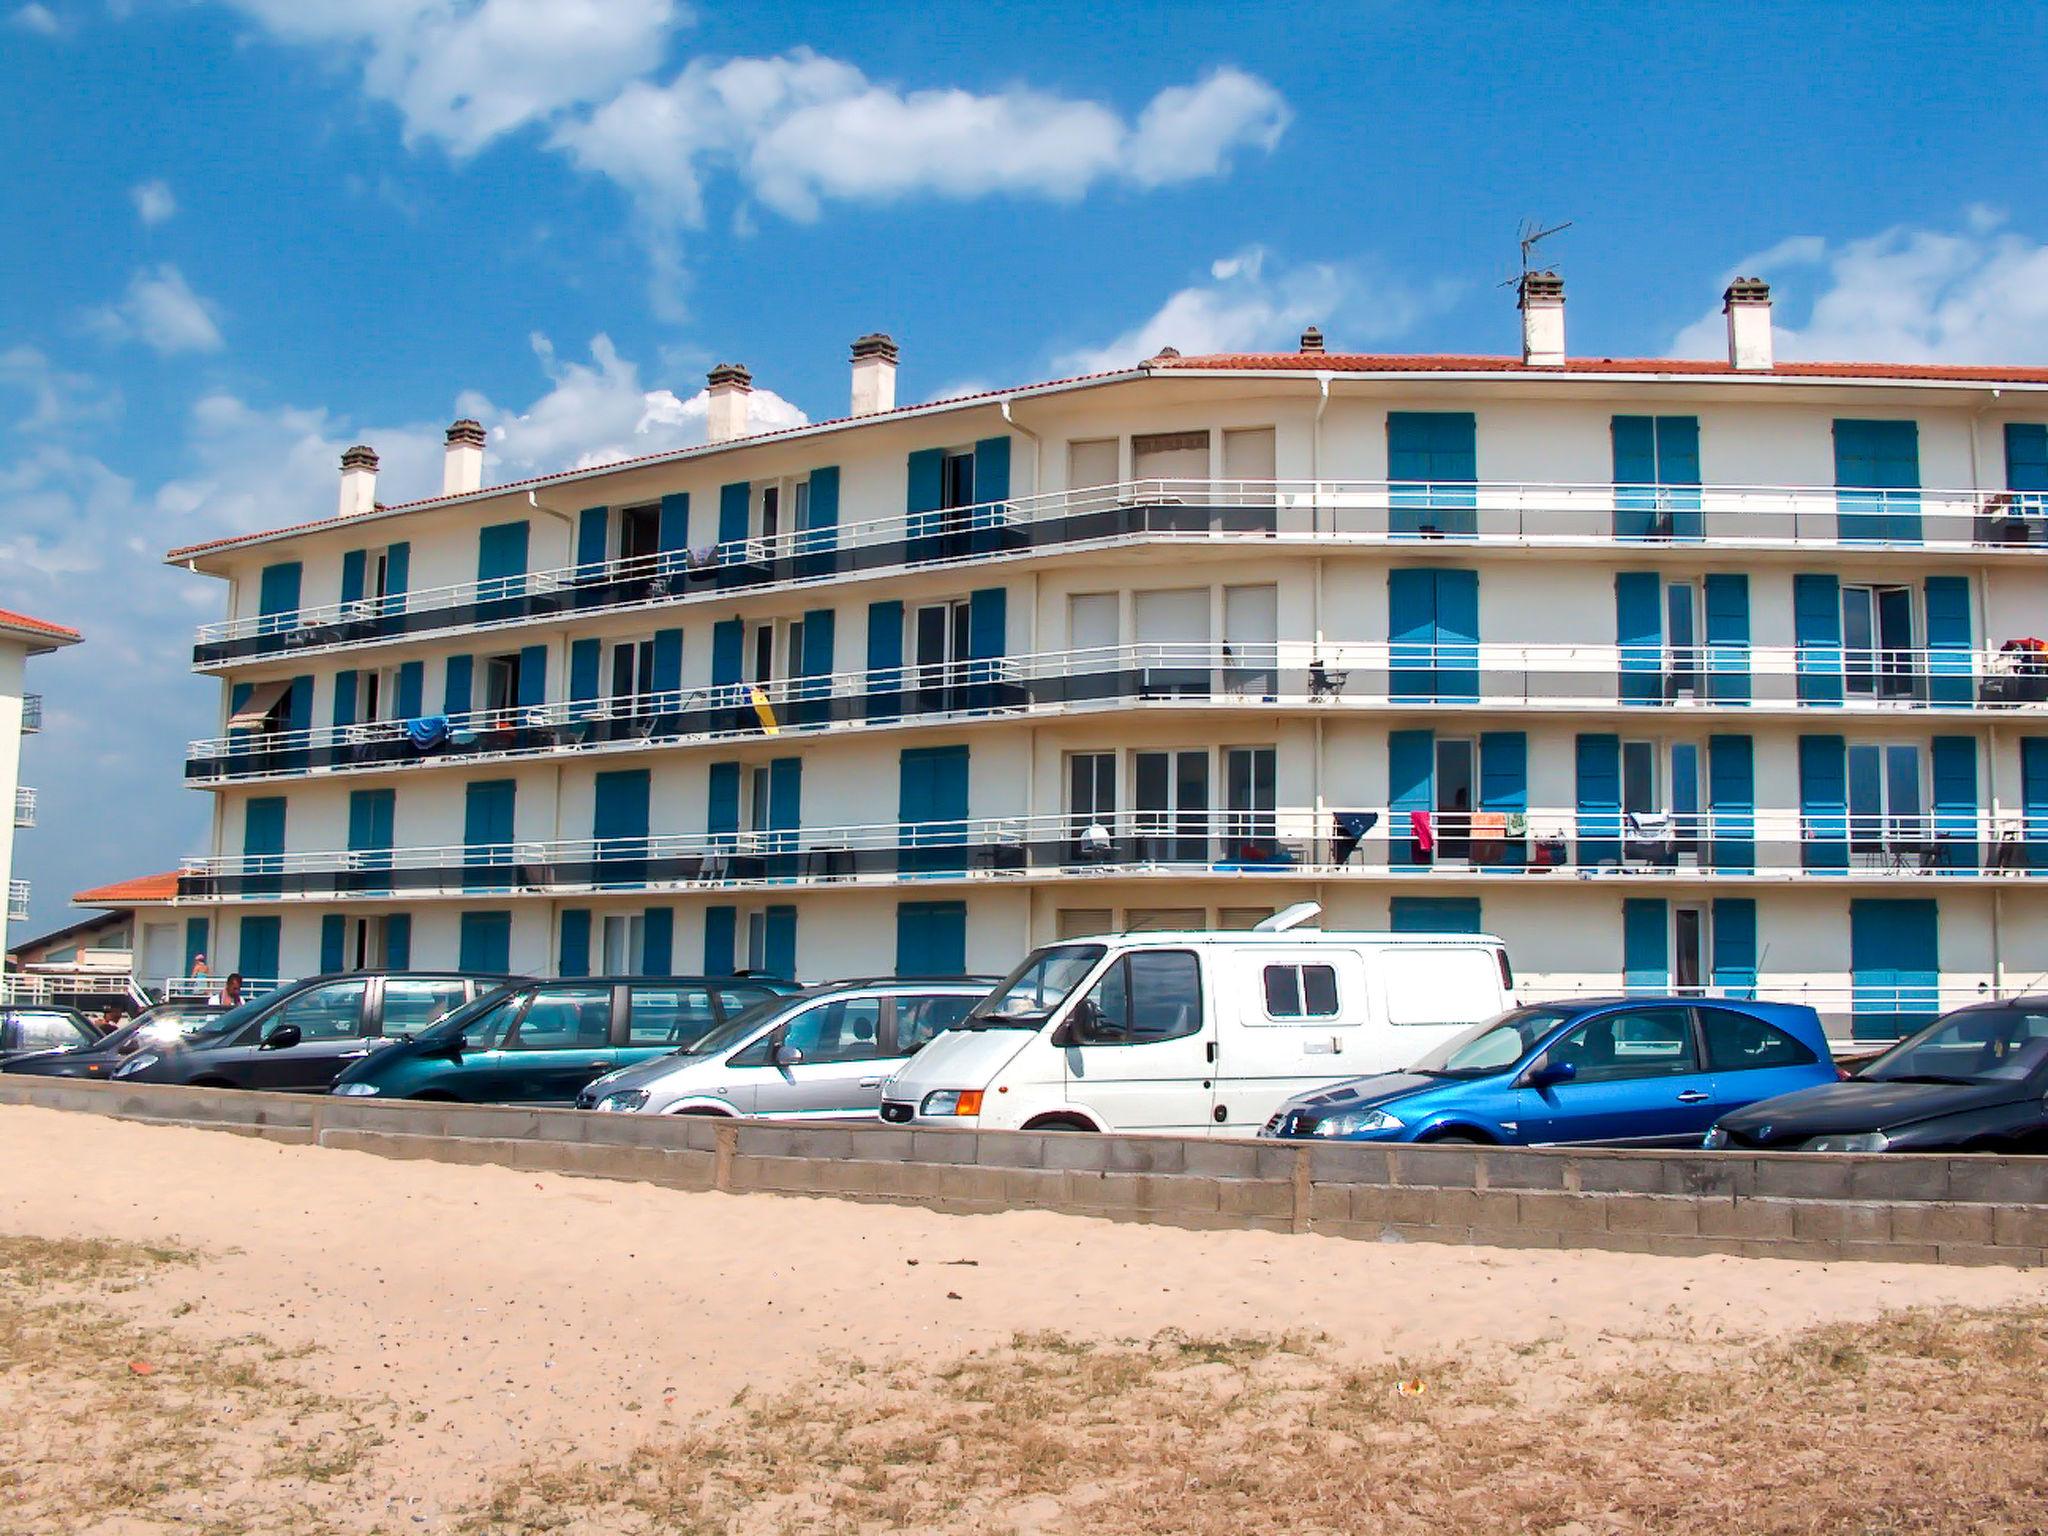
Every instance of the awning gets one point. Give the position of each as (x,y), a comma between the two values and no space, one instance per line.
(261,704)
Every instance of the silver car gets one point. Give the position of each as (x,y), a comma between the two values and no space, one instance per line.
(822,1053)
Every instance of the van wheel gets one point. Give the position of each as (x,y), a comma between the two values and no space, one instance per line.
(1059,1123)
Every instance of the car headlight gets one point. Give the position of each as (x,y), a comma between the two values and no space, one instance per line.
(1859,1141)
(623,1103)
(356,1090)
(139,1062)
(1355,1122)
(952,1101)
(1715,1139)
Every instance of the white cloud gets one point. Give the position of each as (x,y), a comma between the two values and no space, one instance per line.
(1907,295)
(464,72)
(161,310)
(57,398)
(153,201)
(39,19)
(1244,307)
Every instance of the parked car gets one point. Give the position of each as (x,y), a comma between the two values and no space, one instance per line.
(1639,1071)
(297,1038)
(1196,1032)
(541,1042)
(821,1053)
(159,1025)
(29,1031)
(1975,1080)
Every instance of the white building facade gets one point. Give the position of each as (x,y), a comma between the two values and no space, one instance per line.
(1712,675)
(21,714)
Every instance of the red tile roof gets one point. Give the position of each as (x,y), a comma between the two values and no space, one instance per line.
(21,621)
(124,893)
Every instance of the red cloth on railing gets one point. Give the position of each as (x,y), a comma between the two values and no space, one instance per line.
(1424,828)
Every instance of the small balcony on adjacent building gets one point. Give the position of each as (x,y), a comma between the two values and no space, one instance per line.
(31,713)
(24,806)
(17,901)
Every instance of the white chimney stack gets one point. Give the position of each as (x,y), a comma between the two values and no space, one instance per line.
(358,480)
(726,418)
(1542,306)
(1747,303)
(462,469)
(874,374)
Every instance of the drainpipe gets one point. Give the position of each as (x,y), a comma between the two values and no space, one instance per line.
(1315,457)
(1037,444)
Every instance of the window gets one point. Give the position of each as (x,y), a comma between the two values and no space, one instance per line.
(1877,641)
(800,497)
(1738,1043)
(1639,795)
(1301,991)
(939,644)
(668,1015)
(957,488)
(410,1006)
(1171,798)
(632,670)
(1660,793)
(772,641)
(1094,622)
(1440,984)
(501,681)
(1457,783)
(623,941)
(1682,659)
(1688,947)
(639,538)
(1169,456)
(332,1012)
(1885,799)
(1146,997)
(46,1032)
(1644,1042)
(771,511)
(920,1019)
(1248,790)
(565,1019)
(1091,464)
(1091,805)
(848,1029)
(487,1029)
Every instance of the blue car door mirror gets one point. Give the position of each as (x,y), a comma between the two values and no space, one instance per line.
(1546,1074)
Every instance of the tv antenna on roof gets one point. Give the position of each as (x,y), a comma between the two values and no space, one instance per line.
(1532,233)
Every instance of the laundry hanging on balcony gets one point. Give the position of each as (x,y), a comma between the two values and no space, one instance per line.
(1422,826)
(1351,828)
(427,732)
(764,709)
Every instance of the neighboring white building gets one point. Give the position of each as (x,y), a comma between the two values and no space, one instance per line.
(1667,672)
(21,713)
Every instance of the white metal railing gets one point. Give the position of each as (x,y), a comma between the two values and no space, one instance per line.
(1518,512)
(31,712)
(64,987)
(1836,1002)
(24,806)
(17,901)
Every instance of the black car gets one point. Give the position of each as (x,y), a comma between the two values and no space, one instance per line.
(34,1029)
(164,1023)
(298,1038)
(1975,1080)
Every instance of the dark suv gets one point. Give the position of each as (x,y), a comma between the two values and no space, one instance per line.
(298,1038)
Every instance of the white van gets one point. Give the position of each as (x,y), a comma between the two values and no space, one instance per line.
(1195,1032)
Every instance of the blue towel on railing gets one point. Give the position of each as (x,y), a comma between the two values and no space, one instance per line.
(427,733)
(1350,828)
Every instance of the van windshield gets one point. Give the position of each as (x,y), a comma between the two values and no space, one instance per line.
(1493,1046)
(1045,979)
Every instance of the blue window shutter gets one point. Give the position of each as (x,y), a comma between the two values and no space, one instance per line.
(820,644)
(397,570)
(728,652)
(672,529)
(1457,636)
(1817,627)
(2034,798)
(1951,677)
(668,660)
(298,706)
(658,942)
(733,503)
(1954,776)
(353,567)
(593,540)
(456,698)
(1645,946)
(344,698)
(1731,802)
(1434,914)
(501,557)
(487,815)
(1639,631)
(988,623)
(1678,450)
(238,695)
(1411,631)
(533,676)
(486,942)
(196,941)
(823,517)
(722,800)
(1734,946)
(927,484)
(1432,458)
(333,935)
(370,813)
(1411,775)
(992,470)
(1727,609)
(398,941)
(1635,476)
(721,930)
(278,589)
(885,658)
(931,938)
(263,825)
(1824,802)
(412,682)
(256,956)
(2026,456)
(785,794)
(1598,761)
(586,663)
(1895,961)
(779,943)
(575,958)
(931,802)
(619,816)
(1877,465)
(1503,771)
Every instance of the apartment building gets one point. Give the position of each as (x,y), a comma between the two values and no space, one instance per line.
(21,714)
(1719,674)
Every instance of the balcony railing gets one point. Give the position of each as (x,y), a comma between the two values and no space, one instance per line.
(1340,675)
(24,806)
(1483,846)
(17,901)
(31,713)
(1524,514)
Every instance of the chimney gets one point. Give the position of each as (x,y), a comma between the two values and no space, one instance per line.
(1312,340)
(726,416)
(358,480)
(1747,303)
(874,374)
(1542,307)
(462,468)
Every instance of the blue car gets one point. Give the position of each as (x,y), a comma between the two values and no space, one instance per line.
(1630,1071)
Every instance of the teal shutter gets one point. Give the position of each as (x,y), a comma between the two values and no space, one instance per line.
(1411,774)
(1731,803)
(668,664)
(927,485)
(1645,946)
(931,938)
(885,658)
(533,676)
(1678,474)
(722,804)
(658,942)
(733,502)
(728,652)
(575,958)
(398,941)
(593,542)
(672,527)
(486,943)
(372,814)
(412,681)
(1727,608)
(1411,632)
(1951,673)
(1954,775)
(992,470)
(256,956)
(778,956)
(721,931)
(501,560)
(344,699)
(931,804)
(277,593)
(618,824)
(1504,784)
(1434,914)
(2026,463)
(460,686)
(1734,946)
(1432,460)
(785,800)
(263,844)
(333,938)
(1877,471)
(2034,798)
(354,566)
(988,641)
(586,664)
(819,645)
(1635,476)
(822,520)
(1639,631)
(1457,637)
(487,821)
(1817,628)
(298,705)
(195,942)
(1824,802)
(1598,761)
(397,575)
(1895,960)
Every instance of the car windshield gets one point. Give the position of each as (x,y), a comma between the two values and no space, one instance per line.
(1045,979)
(738,1028)
(2005,1044)
(222,1025)
(451,1025)
(1494,1046)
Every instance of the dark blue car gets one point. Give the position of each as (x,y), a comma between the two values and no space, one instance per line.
(1635,1071)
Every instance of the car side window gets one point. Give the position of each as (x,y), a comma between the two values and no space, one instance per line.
(47,1032)
(332,1012)
(1639,1042)
(1738,1043)
(483,1032)
(1145,997)
(565,1019)
(668,1015)
(1301,991)
(845,1029)
(733,1001)
(410,1006)
(920,1019)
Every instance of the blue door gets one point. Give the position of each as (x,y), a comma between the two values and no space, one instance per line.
(1637,1077)
(1877,467)
(932,805)
(931,938)
(618,828)
(1656,477)
(256,954)
(1432,467)
(263,847)
(486,943)
(487,834)
(1433,633)
(501,561)
(1895,954)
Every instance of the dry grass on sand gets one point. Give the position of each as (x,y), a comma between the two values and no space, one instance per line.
(1919,1422)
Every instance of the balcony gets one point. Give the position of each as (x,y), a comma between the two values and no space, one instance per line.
(24,806)
(1361,676)
(1366,514)
(31,713)
(1491,849)
(17,901)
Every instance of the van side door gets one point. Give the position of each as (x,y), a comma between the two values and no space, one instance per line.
(1141,1045)
(1288,1020)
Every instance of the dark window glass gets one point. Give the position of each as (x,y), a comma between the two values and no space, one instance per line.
(848,1029)
(918,1019)
(1283,991)
(332,1012)
(1319,991)
(668,1015)
(1643,1042)
(566,1019)
(1152,995)
(1736,1042)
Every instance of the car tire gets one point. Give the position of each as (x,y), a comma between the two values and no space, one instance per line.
(1059,1123)
(1454,1141)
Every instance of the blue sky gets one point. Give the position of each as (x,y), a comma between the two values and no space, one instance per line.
(241,235)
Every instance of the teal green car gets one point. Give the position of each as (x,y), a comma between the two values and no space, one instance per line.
(540,1042)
